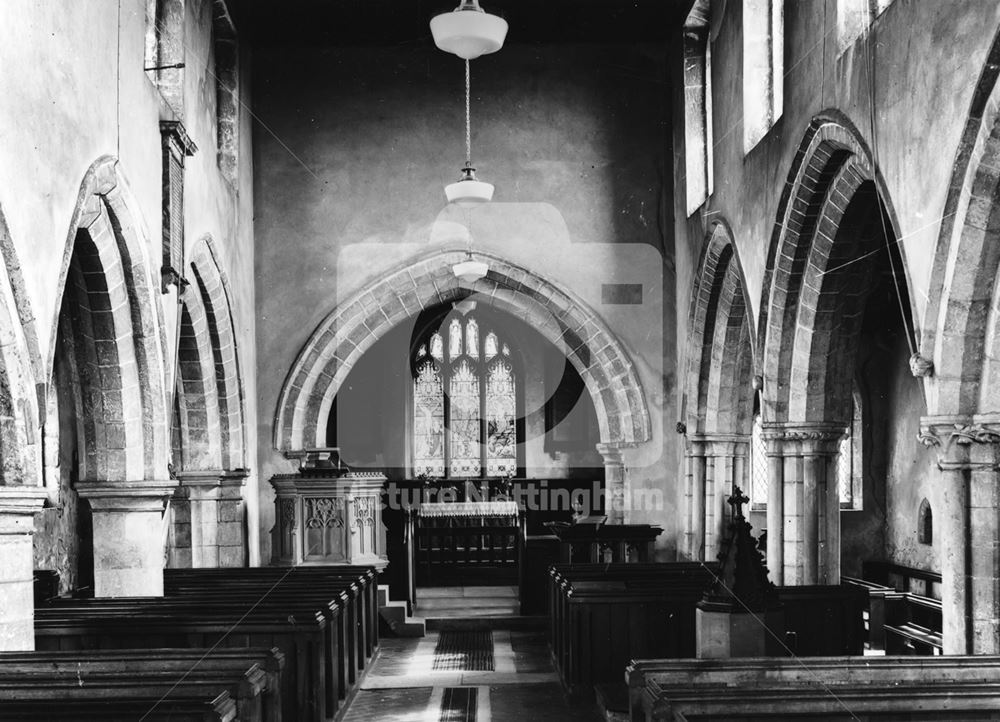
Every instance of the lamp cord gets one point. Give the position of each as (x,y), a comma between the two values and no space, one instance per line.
(468,117)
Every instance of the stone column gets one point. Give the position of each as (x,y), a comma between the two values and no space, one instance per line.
(18,505)
(694,497)
(724,469)
(614,482)
(129,535)
(803,526)
(965,507)
(215,503)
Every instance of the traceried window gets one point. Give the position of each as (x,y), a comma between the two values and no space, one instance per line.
(758,465)
(464,402)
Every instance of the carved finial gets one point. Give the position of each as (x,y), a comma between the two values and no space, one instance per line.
(737,500)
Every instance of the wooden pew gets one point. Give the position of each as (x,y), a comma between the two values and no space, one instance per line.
(903,616)
(358,626)
(220,709)
(302,613)
(604,615)
(829,688)
(252,677)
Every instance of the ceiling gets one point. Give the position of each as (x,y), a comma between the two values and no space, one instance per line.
(393,22)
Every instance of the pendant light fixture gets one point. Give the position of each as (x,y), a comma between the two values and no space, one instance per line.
(468,32)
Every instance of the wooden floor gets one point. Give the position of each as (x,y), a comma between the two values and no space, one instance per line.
(404,686)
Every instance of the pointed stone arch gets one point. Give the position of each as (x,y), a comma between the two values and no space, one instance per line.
(559,316)
(21,492)
(718,392)
(816,289)
(117,291)
(962,324)
(212,285)
(109,306)
(721,341)
(832,165)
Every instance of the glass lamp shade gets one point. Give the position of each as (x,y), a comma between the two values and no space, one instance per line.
(470,271)
(469,192)
(468,32)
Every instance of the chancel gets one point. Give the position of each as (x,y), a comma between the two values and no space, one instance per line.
(499,359)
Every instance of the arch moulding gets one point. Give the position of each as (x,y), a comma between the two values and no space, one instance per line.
(558,315)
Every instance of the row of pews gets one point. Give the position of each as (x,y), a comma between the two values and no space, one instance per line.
(259,644)
(827,688)
(605,615)
(636,622)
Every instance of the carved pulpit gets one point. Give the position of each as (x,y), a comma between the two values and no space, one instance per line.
(327,514)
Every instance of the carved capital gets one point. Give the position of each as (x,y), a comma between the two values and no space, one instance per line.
(955,439)
(803,438)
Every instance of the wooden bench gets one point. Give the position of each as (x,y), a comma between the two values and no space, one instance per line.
(307,615)
(124,682)
(220,709)
(605,615)
(901,617)
(829,688)
(358,625)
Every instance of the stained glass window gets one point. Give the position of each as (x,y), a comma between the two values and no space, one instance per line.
(454,340)
(465,402)
(428,419)
(465,420)
(501,414)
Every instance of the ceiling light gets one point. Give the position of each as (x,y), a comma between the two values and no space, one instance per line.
(468,31)
(470,271)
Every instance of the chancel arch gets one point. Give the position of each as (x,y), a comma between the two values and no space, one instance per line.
(718,393)
(107,338)
(836,285)
(559,316)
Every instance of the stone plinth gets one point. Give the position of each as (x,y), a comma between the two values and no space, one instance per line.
(129,535)
(326,517)
(18,505)
(723,631)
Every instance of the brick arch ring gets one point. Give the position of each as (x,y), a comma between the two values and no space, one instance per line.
(555,312)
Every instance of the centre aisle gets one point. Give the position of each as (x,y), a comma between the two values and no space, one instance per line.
(465,676)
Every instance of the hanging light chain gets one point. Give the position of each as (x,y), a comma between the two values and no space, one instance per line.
(468,117)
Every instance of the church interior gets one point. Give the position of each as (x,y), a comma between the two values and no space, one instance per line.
(473,360)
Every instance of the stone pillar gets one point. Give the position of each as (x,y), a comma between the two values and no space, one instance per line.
(215,503)
(614,482)
(716,463)
(803,526)
(965,508)
(18,505)
(694,497)
(129,535)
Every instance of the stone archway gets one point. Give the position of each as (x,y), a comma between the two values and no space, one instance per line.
(207,510)
(811,314)
(109,305)
(718,393)
(960,365)
(559,316)
(21,490)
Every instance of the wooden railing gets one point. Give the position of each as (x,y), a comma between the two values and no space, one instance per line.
(449,549)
